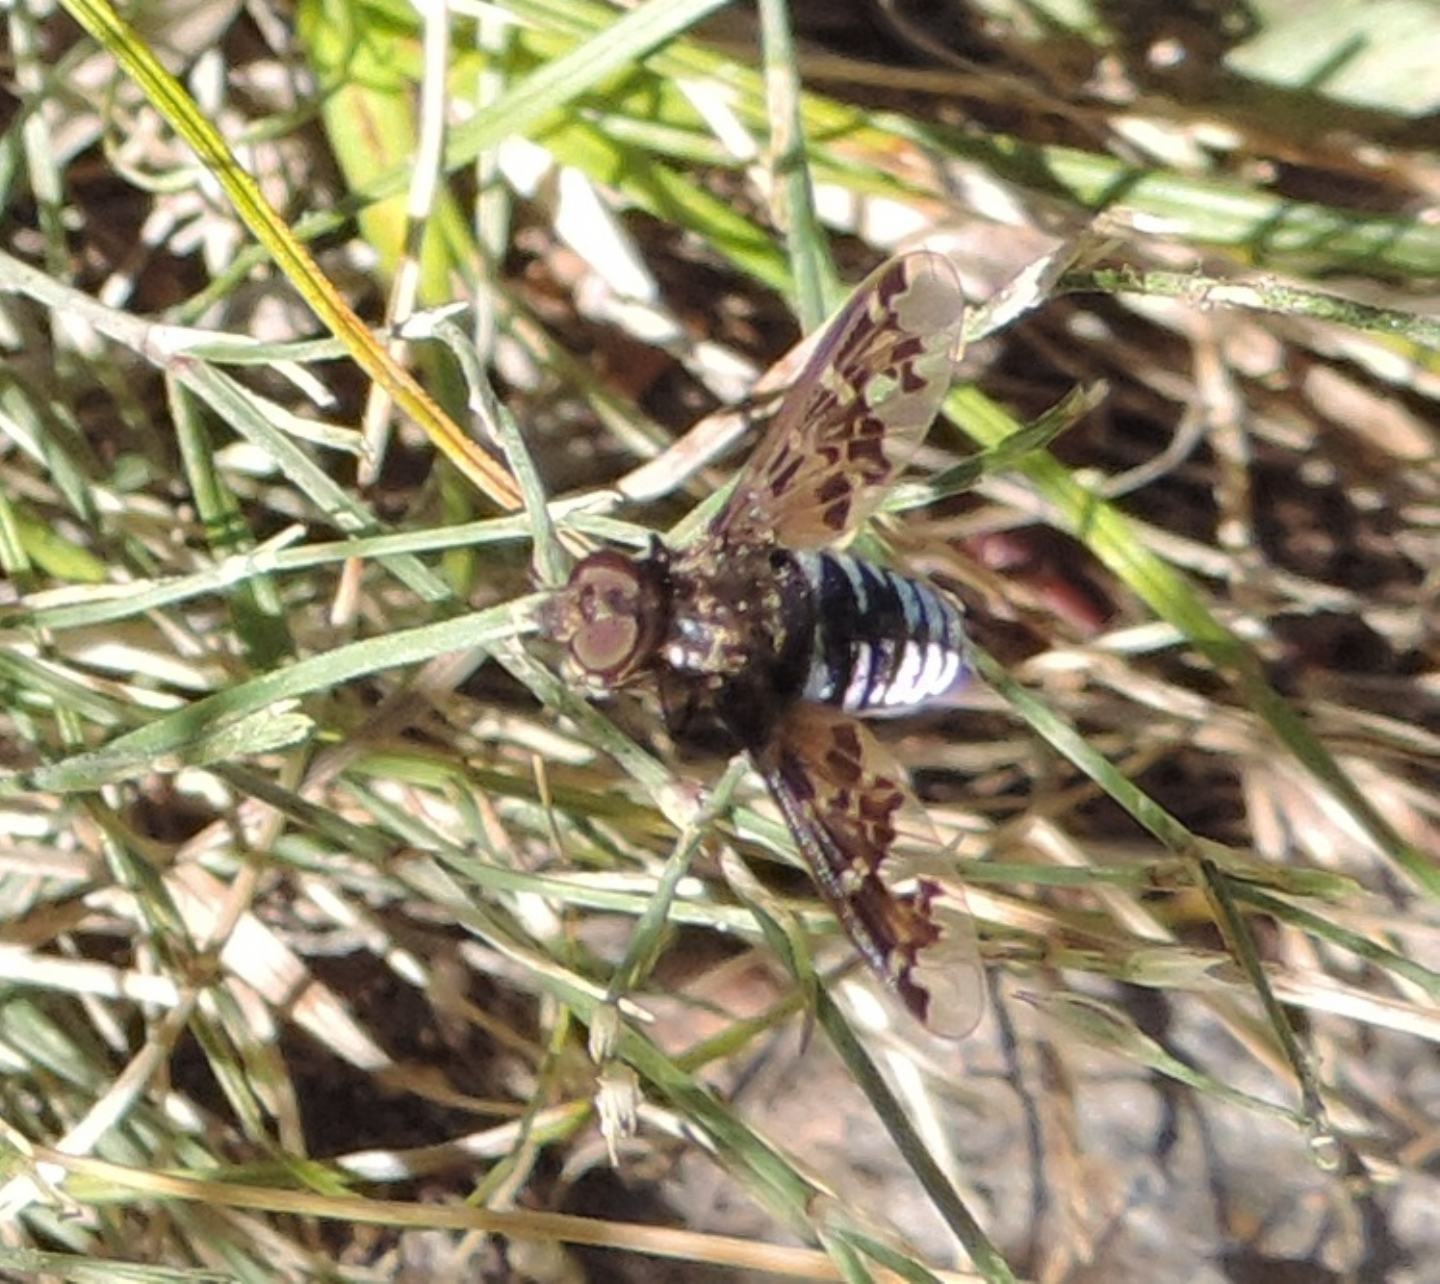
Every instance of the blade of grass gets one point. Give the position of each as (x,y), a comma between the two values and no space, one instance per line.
(645,940)
(95,1180)
(549,558)
(1169,831)
(1271,229)
(121,601)
(255,609)
(174,103)
(1276,298)
(866,1075)
(1109,535)
(266,731)
(172,732)
(231,401)
(792,203)
(1103,1025)
(1428,979)
(1064,414)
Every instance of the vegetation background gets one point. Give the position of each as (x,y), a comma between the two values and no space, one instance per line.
(342,939)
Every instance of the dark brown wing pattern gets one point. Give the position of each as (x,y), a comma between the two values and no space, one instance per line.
(879,863)
(850,422)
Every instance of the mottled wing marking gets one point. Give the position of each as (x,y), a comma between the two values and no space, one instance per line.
(879,863)
(858,409)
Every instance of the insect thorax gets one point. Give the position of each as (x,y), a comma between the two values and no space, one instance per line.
(737,651)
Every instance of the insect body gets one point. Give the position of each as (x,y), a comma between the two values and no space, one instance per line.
(882,642)
(759,639)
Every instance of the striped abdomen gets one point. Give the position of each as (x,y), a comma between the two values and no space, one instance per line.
(882,642)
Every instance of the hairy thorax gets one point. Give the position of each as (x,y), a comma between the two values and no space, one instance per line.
(735,654)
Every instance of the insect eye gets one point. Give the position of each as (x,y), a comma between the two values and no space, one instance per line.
(605,645)
(613,629)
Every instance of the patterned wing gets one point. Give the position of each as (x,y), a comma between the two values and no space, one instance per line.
(853,417)
(879,863)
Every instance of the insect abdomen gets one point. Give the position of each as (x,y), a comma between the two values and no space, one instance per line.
(882,641)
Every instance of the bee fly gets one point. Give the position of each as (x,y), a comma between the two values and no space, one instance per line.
(759,640)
